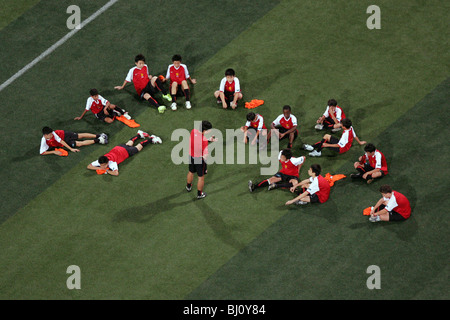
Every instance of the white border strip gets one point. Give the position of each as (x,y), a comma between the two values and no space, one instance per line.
(56,45)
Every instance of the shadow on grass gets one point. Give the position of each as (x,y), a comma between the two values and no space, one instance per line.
(146,212)
(221,230)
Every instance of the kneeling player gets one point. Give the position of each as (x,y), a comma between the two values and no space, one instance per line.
(316,189)
(109,163)
(288,175)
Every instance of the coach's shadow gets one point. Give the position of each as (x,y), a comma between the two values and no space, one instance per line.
(218,226)
(146,212)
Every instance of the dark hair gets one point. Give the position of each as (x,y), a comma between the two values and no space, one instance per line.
(287,153)
(346,122)
(206,125)
(332,102)
(103,159)
(47,130)
(176,57)
(316,168)
(139,57)
(251,116)
(286,107)
(229,72)
(93,92)
(370,147)
(385,188)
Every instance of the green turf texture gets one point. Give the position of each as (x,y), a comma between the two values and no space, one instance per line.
(141,236)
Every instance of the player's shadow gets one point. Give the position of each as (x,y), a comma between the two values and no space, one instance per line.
(32,153)
(146,212)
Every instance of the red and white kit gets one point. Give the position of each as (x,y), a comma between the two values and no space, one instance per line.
(177,75)
(96,106)
(400,204)
(339,113)
(258,123)
(320,186)
(139,77)
(290,166)
(230,87)
(377,161)
(285,123)
(53,142)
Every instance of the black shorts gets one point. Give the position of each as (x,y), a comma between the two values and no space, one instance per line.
(393,216)
(130,149)
(102,116)
(283,130)
(148,89)
(71,138)
(334,140)
(285,177)
(367,168)
(198,165)
(314,198)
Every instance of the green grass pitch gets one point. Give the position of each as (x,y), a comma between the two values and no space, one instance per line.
(141,235)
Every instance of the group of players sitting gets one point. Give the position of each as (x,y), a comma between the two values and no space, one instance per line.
(315,189)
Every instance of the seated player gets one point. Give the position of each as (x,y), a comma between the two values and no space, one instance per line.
(109,163)
(55,139)
(229,90)
(371,165)
(331,118)
(338,145)
(178,75)
(286,177)
(316,189)
(286,124)
(255,123)
(393,206)
(102,109)
(145,84)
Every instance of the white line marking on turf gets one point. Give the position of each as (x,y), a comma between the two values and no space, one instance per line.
(56,45)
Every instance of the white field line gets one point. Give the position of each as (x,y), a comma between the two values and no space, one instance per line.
(56,45)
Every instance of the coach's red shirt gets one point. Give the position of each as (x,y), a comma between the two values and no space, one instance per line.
(198,144)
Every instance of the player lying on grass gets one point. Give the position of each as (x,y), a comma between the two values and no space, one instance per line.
(331,142)
(178,75)
(109,163)
(145,84)
(285,178)
(393,206)
(371,165)
(316,189)
(229,90)
(52,140)
(331,118)
(286,123)
(102,109)
(254,127)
